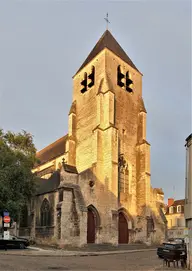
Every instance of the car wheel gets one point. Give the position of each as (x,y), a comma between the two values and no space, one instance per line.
(22,246)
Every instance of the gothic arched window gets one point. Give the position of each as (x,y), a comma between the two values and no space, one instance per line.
(45,213)
(124,180)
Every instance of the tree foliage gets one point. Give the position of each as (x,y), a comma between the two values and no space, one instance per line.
(17,182)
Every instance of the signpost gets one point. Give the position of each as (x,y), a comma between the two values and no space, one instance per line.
(5,213)
(4,224)
(6,219)
(6,235)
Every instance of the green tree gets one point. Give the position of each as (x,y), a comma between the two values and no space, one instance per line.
(17,182)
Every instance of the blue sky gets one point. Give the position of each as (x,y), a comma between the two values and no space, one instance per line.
(37,40)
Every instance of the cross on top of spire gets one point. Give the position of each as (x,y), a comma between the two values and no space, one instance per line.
(107,20)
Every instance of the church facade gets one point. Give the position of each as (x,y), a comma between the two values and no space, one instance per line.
(94,184)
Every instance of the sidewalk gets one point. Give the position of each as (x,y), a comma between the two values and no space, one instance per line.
(170,269)
(34,252)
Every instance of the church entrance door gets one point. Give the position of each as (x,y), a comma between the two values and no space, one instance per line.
(91,227)
(123,229)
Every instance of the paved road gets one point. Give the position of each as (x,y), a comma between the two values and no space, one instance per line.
(137,261)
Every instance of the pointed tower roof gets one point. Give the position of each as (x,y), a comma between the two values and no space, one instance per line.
(108,41)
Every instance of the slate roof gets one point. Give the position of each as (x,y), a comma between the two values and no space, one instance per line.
(49,185)
(52,151)
(45,186)
(189,137)
(108,41)
(176,203)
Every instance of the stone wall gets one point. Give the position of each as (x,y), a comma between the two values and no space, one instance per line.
(106,123)
(86,113)
(44,234)
(105,202)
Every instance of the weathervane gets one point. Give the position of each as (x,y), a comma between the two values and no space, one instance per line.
(107,20)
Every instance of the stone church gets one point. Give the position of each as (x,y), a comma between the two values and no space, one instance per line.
(94,183)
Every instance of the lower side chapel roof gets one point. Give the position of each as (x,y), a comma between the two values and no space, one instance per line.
(45,186)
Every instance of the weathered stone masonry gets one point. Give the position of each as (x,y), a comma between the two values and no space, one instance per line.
(103,192)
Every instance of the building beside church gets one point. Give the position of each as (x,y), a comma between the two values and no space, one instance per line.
(188,195)
(94,184)
(175,218)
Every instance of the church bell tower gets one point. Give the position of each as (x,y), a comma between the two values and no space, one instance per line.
(107,124)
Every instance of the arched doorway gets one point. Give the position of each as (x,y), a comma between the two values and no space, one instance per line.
(123,229)
(93,222)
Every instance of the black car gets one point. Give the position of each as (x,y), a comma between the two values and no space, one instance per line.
(14,242)
(172,249)
(160,251)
